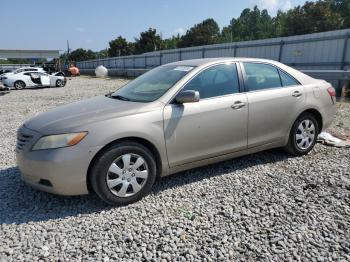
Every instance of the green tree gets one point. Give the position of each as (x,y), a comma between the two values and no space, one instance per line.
(312,17)
(102,53)
(342,7)
(205,33)
(250,25)
(171,43)
(120,47)
(149,41)
(81,54)
(279,23)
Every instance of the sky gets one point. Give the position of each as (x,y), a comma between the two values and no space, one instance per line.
(48,24)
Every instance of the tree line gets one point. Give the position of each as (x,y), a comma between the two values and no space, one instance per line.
(252,24)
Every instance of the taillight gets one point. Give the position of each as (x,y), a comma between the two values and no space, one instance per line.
(332,94)
(331,91)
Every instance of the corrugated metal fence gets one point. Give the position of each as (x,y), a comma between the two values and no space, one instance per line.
(320,51)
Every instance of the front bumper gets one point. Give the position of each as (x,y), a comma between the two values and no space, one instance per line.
(60,171)
(7,83)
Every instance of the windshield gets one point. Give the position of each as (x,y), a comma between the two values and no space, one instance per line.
(153,84)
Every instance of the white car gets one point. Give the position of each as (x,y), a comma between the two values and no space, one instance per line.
(21,70)
(33,79)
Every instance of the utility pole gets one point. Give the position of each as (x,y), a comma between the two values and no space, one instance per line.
(68,49)
(68,52)
(231,42)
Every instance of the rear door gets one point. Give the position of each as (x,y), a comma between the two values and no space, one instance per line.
(274,98)
(215,125)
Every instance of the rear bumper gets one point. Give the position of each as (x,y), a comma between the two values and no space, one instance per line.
(328,116)
(61,171)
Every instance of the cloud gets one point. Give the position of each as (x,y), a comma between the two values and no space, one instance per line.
(179,30)
(273,5)
(80,29)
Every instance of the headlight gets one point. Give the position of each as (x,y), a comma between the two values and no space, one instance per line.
(57,141)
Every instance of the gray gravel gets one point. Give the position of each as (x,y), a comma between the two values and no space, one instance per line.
(266,206)
(341,125)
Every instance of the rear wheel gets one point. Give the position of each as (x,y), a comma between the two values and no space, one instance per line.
(303,135)
(124,173)
(19,85)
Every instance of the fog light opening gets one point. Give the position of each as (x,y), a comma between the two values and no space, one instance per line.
(45,182)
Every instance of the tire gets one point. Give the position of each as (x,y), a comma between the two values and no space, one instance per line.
(300,143)
(59,83)
(19,85)
(114,182)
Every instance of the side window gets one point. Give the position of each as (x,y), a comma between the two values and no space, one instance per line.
(215,81)
(261,76)
(287,80)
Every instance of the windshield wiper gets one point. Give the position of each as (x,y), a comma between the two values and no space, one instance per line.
(119,97)
(109,94)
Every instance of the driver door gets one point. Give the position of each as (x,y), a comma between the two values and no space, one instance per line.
(215,125)
(44,79)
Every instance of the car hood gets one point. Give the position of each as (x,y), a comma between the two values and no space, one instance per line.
(70,117)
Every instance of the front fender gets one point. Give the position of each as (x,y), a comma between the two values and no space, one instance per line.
(147,126)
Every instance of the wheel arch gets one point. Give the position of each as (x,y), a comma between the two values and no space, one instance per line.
(315,112)
(149,145)
(20,80)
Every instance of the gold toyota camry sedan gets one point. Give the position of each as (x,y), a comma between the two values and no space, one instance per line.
(175,117)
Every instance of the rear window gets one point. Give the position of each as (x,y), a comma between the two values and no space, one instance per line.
(287,80)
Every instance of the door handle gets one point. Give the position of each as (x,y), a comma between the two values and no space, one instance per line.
(297,94)
(238,105)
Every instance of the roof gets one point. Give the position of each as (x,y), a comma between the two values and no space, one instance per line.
(301,77)
(203,61)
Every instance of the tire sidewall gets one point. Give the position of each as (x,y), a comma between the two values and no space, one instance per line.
(19,81)
(102,164)
(292,138)
(59,83)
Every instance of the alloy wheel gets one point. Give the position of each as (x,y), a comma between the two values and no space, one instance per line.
(19,85)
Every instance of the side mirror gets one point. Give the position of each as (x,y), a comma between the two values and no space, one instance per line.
(188,96)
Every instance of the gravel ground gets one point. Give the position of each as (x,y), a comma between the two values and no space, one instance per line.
(341,125)
(267,206)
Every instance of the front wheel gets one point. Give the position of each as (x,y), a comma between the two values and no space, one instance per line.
(59,83)
(303,135)
(123,173)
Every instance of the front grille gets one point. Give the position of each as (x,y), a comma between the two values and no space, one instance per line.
(22,140)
